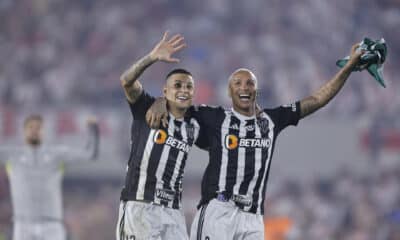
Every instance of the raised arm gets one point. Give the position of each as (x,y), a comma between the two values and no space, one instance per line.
(94,138)
(89,152)
(161,52)
(323,95)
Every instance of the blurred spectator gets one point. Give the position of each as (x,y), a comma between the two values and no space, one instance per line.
(72,52)
(63,53)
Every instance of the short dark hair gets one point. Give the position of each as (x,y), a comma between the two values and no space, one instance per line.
(33,117)
(177,71)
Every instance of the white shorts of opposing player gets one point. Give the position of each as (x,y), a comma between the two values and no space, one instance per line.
(146,221)
(43,230)
(219,220)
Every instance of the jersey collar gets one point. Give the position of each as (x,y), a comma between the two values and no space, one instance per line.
(241,116)
(174,118)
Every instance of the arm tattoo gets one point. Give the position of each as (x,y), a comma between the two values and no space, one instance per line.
(132,87)
(133,73)
(133,92)
(323,95)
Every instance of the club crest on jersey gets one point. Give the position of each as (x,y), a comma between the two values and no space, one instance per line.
(263,125)
(232,142)
(161,137)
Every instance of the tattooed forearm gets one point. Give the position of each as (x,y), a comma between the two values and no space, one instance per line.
(134,72)
(323,95)
(133,88)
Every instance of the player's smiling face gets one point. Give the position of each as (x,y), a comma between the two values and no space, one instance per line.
(178,91)
(243,91)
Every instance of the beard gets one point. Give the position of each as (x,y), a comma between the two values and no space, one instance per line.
(34,142)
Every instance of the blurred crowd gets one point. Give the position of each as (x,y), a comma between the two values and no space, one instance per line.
(72,52)
(346,206)
(59,53)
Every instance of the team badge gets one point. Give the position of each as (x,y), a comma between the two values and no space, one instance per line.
(263,125)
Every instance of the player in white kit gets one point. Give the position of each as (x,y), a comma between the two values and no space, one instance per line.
(35,174)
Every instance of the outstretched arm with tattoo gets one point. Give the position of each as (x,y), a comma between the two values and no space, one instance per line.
(323,95)
(161,52)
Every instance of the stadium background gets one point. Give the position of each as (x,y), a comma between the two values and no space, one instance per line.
(336,176)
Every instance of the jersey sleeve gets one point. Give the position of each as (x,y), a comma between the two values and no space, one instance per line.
(206,116)
(142,104)
(202,139)
(285,115)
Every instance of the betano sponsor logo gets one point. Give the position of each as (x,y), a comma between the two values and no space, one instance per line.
(161,137)
(232,142)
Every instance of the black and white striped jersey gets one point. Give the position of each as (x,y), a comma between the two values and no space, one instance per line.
(157,159)
(240,151)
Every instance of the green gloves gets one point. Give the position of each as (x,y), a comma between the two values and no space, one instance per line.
(372,59)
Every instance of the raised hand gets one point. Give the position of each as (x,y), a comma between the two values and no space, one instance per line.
(164,50)
(355,54)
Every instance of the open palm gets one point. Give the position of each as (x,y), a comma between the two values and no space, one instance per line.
(164,50)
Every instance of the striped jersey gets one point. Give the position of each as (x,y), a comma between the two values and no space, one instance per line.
(240,151)
(157,158)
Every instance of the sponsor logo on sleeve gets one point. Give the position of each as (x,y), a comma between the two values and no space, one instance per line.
(291,105)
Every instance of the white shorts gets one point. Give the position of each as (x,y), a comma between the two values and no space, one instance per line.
(146,221)
(225,221)
(46,230)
